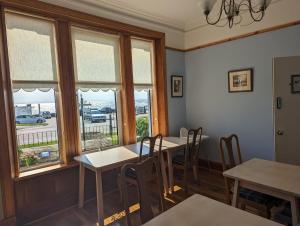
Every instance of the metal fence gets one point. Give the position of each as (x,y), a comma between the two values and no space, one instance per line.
(89,132)
(37,139)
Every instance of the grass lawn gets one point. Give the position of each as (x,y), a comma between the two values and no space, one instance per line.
(38,144)
(33,124)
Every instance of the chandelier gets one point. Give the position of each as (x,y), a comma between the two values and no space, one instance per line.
(231,11)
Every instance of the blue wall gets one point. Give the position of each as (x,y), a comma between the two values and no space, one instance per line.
(208,103)
(176,106)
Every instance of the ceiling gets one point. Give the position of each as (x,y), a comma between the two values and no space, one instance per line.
(184,15)
(183,21)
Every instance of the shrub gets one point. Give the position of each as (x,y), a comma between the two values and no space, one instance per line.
(142,127)
(27,159)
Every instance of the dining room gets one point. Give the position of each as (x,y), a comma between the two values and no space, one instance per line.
(149,113)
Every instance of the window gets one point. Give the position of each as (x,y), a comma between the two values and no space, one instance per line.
(97,72)
(142,61)
(33,71)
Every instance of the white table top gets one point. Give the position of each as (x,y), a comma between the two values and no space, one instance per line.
(279,176)
(102,159)
(118,155)
(202,211)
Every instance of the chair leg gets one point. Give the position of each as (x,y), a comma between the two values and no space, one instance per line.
(120,188)
(196,172)
(185,182)
(243,205)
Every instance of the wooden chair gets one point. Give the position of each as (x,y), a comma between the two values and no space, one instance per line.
(147,171)
(152,146)
(230,154)
(190,158)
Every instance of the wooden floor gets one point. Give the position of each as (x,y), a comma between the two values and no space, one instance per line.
(211,185)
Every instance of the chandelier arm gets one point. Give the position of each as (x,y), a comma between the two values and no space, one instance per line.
(251,8)
(225,5)
(261,16)
(219,18)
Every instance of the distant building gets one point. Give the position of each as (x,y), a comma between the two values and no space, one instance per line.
(23,110)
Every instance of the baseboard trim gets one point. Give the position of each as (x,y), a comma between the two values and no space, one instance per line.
(8,222)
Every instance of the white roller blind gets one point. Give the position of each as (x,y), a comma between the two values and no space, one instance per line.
(142,62)
(31,48)
(96,58)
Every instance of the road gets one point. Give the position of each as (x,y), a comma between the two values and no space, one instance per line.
(40,134)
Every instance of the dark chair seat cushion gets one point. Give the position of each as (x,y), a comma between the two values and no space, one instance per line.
(258,197)
(131,173)
(283,214)
(178,159)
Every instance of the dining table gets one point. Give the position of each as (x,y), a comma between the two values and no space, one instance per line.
(277,179)
(116,157)
(199,210)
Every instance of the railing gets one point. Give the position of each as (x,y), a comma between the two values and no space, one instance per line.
(89,132)
(37,139)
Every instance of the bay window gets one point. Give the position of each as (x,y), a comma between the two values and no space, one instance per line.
(97,74)
(35,83)
(143,79)
(73,85)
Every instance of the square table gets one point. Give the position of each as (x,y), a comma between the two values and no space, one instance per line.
(269,177)
(199,210)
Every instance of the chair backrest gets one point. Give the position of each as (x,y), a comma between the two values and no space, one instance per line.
(228,144)
(183,132)
(154,143)
(193,143)
(146,170)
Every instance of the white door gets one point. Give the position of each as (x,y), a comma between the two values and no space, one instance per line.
(287,109)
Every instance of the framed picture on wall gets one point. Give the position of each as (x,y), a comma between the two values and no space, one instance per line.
(177,86)
(240,80)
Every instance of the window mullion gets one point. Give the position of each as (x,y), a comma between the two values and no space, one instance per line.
(68,93)
(127,91)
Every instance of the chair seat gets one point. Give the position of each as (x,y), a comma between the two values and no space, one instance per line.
(258,197)
(179,160)
(131,173)
(282,214)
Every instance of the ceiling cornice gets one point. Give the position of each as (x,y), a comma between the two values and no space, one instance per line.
(115,7)
(126,10)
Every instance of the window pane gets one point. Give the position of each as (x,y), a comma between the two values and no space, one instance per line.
(98,119)
(143,113)
(31,48)
(96,56)
(36,125)
(142,61)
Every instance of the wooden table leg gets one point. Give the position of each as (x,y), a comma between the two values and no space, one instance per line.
(81,185)
(295,211)
(99,191)
(164,175)
(170,170)
(235,193)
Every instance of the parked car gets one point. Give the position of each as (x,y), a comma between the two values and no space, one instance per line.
(53,114)
(29,119)
(94,115)
(107,110)
(46,114)
(141,110)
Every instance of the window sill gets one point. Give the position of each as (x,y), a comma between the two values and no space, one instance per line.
(45,170)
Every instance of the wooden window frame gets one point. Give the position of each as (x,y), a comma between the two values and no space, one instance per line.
(64,18)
